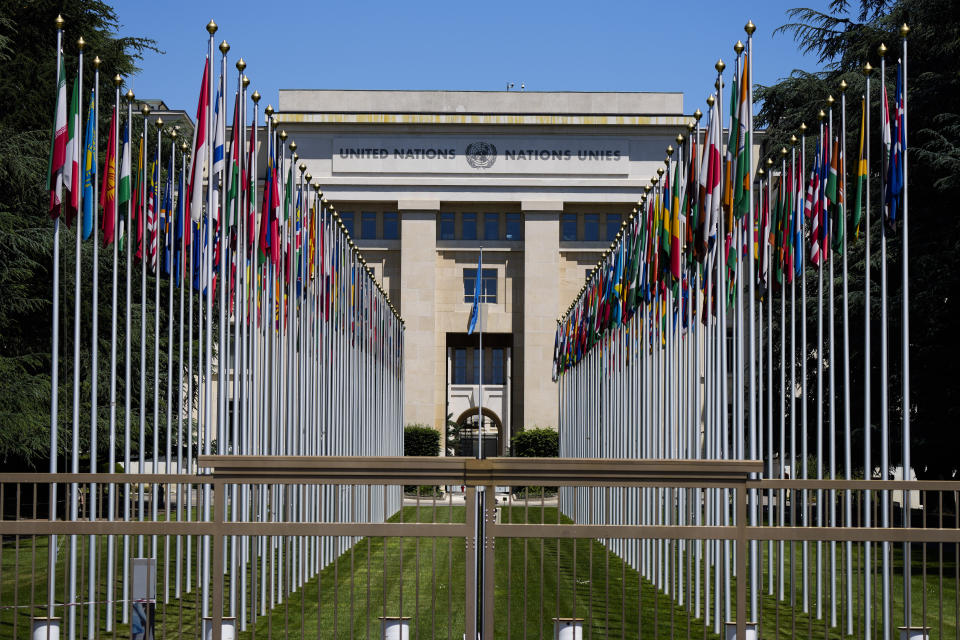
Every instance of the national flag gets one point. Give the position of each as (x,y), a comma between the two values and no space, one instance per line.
(58,145)
(233,179)
(195,188)
(218,134)
(123,188)
(741,203)
(710,176)
(89,169)
(813,207)
(138,195)
(838,205)
(71,167)
(178,230)
(894,191)
(166,213)
(152,216)
(887,151)
(108,196)
(675,227)
(861,171)
(477,290)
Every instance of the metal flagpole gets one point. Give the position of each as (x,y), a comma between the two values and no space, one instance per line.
(905,341)
(206,292)
(142,246)
(831,369)
(819,350)
(168,246)
(884,370)
(752,330)
(783,369)
(75,424)
(112,441)
(94,350)
(155,264)
(184,283)
(867,377)
(847,459)
(127,379)
(804,438)
(54,364)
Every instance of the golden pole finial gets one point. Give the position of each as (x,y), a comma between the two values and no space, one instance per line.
(882,50)
(81,43)
(241,65)
(720,66)
(303,167)
(867,68)
(184,147)
(173,134)
(646,188)
(904,30)
(283,135)
(793,140)
(830,100)
(269,110)
(710,100)
(59,22)
(761,172)
(96,62)
(306,176)
(255,97)
(224,47)
(293,145)
(691,127)
(246,82)
(769,162)
(783,151)
(803,128)
(669,150)
(296,156)
(843,86)
(680,138)
(821,115)
(698,114)
(750,27)
(738,47)
(145,110)
(159,122)
(211,27)
(117,80)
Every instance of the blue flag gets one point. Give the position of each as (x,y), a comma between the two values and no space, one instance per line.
(89,171)
(166,213)
(475,310)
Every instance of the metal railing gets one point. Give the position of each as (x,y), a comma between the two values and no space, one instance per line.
(294,561)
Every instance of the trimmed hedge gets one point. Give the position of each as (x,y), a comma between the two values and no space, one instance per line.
(420,440)
(536,443)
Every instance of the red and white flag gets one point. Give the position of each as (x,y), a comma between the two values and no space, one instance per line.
(58,145)
(197,162)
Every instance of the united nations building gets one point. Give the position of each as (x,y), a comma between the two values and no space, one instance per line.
(424,179)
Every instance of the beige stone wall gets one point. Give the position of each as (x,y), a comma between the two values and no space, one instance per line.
(541,304)
(417,307)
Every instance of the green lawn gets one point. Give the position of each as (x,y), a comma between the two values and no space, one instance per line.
(535,580)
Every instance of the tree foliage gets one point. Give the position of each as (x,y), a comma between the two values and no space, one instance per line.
(536,443)
(420,440)
(843,39)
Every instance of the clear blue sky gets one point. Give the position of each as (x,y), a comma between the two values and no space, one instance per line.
(588,45)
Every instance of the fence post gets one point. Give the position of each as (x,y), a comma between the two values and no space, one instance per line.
(489,515)
(741,501)
(219,511)
(470,608)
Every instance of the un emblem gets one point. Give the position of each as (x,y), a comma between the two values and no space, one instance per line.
(481,155)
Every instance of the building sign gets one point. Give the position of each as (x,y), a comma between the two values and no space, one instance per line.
(481,155)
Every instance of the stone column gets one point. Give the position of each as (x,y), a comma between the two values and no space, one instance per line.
(418,272)
(541,304)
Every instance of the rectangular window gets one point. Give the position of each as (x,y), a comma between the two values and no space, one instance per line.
(613,225)
(391,226)
(591,227)
(468,226)
(488,285)
(460,366)
(477,358)
(447,230)
(491,226)
(568,228)
(347,217)
(368,225)
(514,227)
(496,376)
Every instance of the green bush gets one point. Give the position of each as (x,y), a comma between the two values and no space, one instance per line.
(421,440)
(536,443)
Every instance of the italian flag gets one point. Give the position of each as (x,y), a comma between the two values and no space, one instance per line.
(71,168)
(58,145)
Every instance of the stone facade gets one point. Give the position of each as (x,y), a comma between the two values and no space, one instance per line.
(539,180)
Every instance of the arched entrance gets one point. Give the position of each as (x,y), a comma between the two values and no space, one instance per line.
(492,430)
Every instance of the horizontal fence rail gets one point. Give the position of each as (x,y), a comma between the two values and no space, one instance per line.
(562,540)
